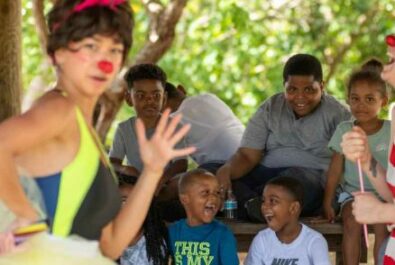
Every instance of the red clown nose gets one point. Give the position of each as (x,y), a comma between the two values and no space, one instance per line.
(390,40)
(105,66)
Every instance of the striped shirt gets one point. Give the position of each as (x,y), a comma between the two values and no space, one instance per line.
(389,258)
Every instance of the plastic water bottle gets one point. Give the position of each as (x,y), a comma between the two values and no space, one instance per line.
(230,206)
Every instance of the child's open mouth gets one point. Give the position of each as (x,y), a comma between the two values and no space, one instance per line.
(268,217)
(210,209)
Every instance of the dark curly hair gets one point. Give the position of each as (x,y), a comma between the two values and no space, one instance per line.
(156,235)
(291,185)
(370,73)
(145,71)
(303,64)
(66,25)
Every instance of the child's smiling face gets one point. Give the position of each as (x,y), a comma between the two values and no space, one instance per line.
(365,101)
(202,200)
(303,94)
(279,207)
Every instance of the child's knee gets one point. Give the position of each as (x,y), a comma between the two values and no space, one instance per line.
(350,225)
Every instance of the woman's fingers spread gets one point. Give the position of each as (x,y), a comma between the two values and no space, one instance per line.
(177,136)
(162,124)
(171,127)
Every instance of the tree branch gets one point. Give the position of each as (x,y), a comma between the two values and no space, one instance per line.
(41,25)
(161,33)
(333,62)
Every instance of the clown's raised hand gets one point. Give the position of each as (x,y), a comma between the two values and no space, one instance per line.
(158,151)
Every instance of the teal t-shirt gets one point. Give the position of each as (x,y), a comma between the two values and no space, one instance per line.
(207,244)
(378,144)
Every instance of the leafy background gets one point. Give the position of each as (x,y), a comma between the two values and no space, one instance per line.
(236,48)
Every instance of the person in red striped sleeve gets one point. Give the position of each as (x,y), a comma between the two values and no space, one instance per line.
(367,208)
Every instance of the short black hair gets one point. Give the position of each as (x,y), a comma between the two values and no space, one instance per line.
(191,177)
(145,71)
(291,185)
(303,64)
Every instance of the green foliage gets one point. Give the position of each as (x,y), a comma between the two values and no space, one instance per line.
(237,48)
(34,61)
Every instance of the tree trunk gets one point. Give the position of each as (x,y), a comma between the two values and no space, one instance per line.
(10,57)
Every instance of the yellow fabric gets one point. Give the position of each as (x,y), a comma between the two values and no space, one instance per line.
(76,179)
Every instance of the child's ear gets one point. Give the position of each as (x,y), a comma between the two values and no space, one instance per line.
(59,56)
(385,101)
(322,86)
(295,208)
(184,199)
(128,97)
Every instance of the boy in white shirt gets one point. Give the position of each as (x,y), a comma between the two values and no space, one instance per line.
(215,130)
(286,240)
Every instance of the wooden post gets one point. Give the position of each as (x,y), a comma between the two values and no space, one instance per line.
(10,57)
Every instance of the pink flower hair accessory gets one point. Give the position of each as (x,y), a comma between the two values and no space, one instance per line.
(112,4)
(90,3)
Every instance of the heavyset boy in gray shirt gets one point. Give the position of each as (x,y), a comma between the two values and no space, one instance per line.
(288,141)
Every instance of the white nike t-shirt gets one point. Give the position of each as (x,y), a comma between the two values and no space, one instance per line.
(309,248)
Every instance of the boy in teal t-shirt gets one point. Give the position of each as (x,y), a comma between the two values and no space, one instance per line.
(199,239)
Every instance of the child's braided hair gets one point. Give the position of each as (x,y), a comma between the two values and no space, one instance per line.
(155,229)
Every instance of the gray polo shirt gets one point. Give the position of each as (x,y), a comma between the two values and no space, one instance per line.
(290,142)
(125,143)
